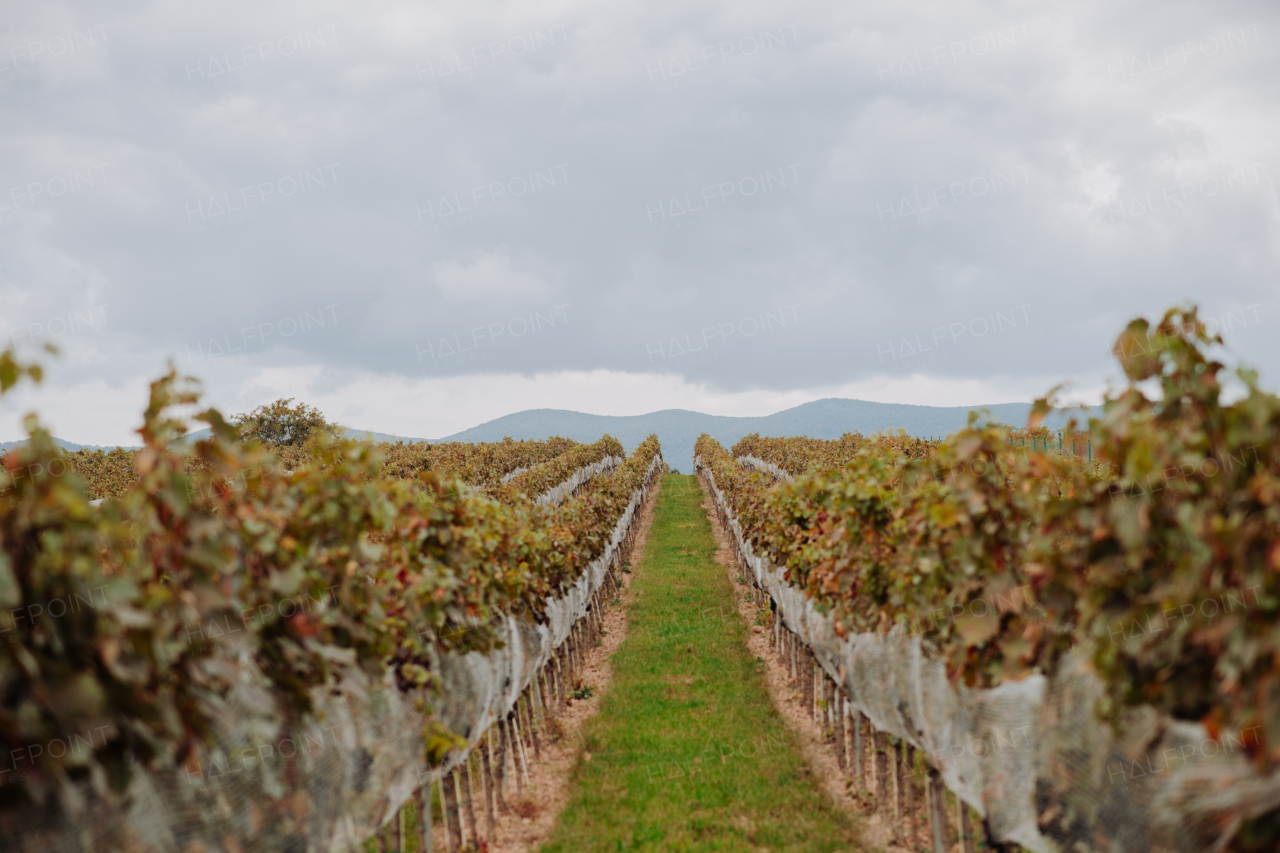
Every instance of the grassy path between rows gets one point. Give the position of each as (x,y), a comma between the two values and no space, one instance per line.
(688,753)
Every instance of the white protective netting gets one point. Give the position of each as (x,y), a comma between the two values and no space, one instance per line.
(328,784)
(559,493)
(1031,756)
(767,467)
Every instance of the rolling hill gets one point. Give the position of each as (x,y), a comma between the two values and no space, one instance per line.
(678,429)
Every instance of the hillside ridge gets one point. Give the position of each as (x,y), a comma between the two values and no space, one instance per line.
(678,429)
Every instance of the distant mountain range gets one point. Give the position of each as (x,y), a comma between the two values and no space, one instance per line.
(65,445)
(678,429)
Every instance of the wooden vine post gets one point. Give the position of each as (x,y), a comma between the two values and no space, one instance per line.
(468,806)
(530,711)
(938,813)
(452,822)
(426,843)
(910,779)
(965,824)
(841,709)
(517,752)
(899,795)
(489,818)
(881,754)
(503,740)
(860,752)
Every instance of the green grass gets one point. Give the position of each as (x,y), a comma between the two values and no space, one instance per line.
(688,753)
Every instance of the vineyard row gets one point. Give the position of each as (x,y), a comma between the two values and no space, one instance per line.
(1123,608)
(369,594)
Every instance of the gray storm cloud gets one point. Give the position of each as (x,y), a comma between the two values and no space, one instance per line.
(774,197)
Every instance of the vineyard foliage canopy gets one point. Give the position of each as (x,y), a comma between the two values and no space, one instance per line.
(1160,554)
(335,562)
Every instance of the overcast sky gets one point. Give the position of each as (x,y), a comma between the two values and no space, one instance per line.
(421,217)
